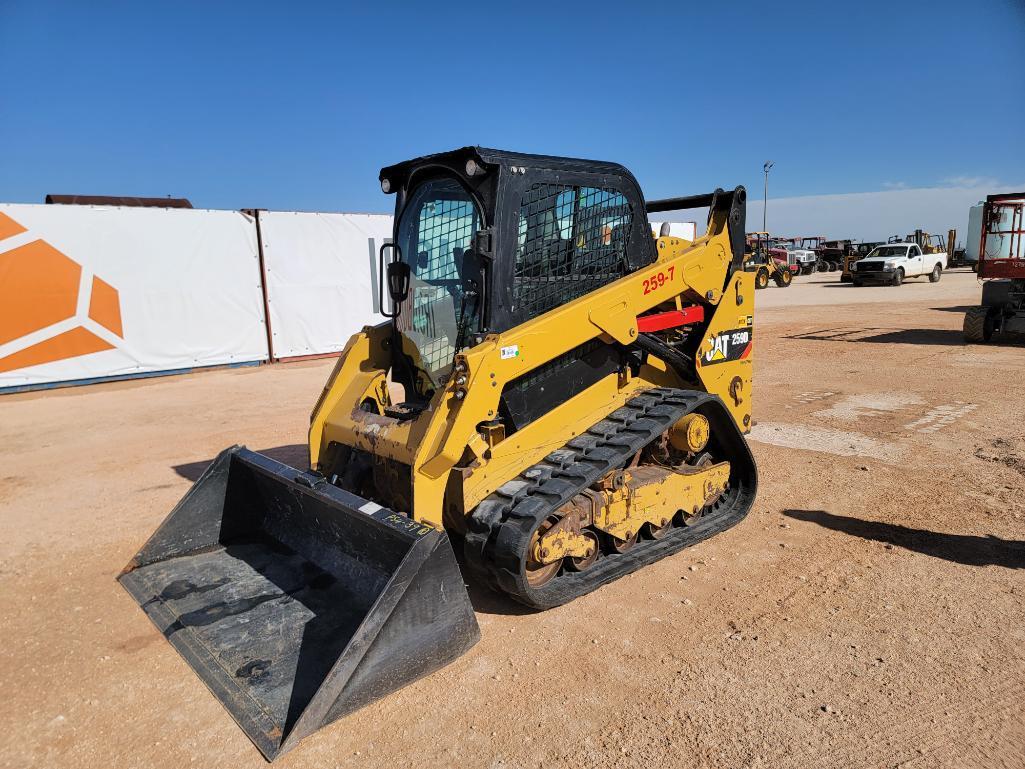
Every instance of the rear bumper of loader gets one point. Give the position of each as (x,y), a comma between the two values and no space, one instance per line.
(296,602)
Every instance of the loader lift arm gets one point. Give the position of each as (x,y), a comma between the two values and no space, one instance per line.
(729,207)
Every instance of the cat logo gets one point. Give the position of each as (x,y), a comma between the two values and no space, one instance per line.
(734,344)
(720,348)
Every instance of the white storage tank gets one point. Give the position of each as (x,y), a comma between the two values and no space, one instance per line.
(683,230)
(974,237)
(997,246)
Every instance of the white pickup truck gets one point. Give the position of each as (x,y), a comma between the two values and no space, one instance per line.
(894,262)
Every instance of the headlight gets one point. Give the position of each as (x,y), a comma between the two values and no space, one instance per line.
(854,266)
(888,267)
(385,186)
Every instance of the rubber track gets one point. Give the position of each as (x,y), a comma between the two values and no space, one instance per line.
(501,526)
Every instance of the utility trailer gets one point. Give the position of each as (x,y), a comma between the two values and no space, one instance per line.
(1001,267)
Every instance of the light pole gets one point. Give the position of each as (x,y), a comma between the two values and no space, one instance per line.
(765,194)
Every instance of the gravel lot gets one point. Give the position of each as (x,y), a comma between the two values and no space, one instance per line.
(868,613)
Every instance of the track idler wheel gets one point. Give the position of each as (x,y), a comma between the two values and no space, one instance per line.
(537,573)
(581,564)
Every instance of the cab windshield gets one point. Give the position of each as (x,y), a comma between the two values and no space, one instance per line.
(442,310)
(889,251)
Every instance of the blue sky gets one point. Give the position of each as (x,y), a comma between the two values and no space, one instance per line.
(297,105)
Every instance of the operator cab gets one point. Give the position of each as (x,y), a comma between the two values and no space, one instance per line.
(485,240)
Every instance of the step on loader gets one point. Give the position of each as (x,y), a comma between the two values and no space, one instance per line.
(556,392)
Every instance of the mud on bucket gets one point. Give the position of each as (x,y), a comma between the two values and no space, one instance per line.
(296,602)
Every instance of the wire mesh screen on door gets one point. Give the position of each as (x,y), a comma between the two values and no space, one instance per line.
(435,234)
(571,241)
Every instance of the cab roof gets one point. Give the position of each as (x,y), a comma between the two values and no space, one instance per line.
(399,172)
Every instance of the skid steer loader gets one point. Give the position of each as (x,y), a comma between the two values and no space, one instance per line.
(556,390)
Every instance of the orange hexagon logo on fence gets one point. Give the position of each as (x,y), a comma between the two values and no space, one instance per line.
(41,288)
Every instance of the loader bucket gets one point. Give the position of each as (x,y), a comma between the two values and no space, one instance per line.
(296,602)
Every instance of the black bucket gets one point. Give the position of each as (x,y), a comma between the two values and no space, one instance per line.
(296,602)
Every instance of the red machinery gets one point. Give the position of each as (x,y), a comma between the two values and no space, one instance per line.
(758,242)
(1002,268)
(760,260)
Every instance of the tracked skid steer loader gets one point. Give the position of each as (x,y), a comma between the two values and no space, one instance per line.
(557,393)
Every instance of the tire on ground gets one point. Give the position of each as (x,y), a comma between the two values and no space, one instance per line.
(761,277)
(978,325)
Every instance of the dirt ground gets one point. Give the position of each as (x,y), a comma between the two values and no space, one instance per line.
(870,611)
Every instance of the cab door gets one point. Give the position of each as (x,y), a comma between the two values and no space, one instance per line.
(914,263)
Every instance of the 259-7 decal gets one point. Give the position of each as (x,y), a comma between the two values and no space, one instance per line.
(658,279)
(734,344)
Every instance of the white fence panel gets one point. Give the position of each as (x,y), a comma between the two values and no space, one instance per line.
(92,292)
(685,230)
(320,271)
